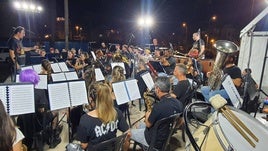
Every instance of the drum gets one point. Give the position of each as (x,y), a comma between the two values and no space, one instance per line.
(207,65)
(220,135)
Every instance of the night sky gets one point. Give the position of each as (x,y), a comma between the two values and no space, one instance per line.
(122,15)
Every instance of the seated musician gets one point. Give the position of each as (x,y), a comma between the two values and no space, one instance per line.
(166,107)
(198,48)
(183,87)
(32,123)
(102,123)
(46,69)
(235,73)
(168,62)
(71,60)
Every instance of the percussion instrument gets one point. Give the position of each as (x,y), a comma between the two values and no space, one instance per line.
(219,134)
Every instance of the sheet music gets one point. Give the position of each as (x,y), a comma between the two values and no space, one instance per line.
(58,94)
(148,80)
(232,92)
(93,55)
(133,89)
(98,74)
(58,77)
(71,75)
(21,99)
(78,93)
(37,68)
(3,96)
(17,78)
(26,67)
(113,64)
(63,67)
(42,84)
(55,67)
(120,93)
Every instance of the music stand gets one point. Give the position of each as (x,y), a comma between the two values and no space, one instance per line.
(157,66)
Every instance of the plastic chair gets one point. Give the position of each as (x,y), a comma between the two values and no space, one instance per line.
(169,123)
(114,144)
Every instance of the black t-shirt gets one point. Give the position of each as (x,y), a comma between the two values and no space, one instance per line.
(233,71)
(172,63)
(141,84)
(91,129)
(16,46)
(181,88)
(166,107)
(40,98)
(197,45)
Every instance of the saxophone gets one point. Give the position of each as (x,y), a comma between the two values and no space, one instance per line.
(224,48)
(149,98)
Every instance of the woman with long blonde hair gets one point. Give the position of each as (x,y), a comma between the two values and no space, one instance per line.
(102,123)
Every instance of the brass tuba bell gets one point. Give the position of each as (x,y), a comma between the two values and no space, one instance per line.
(224,48)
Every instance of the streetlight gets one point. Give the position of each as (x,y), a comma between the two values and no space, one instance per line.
(184,25)
(206,35)
(146,21)
(27,6)
(214,18)
(77,27)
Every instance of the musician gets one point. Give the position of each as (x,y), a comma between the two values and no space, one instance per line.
(16,49)
(230,69)
(46,69)
(166,107)
(11,137)
(104,48)
(103,122)
(157,54)
(183,87)
(198,48)
(141,70)
(155,45)
(168,62)
(81,63)
(71,60)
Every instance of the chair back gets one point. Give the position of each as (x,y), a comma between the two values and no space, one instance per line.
(166,126)
(114,144)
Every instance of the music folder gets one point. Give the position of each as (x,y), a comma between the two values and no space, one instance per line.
(42,84)
(98,75)
(64,76)
(121,64)
(126,91)
(157,66)
(18,98)
(67,94)
(59,67)
(148,80)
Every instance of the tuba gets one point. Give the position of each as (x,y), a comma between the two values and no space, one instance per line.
(150,98)
(224,48)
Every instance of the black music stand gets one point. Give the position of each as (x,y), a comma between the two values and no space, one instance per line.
(157,66)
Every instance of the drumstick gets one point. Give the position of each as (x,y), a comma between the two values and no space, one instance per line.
(236,126)
(218,102)
(241,123)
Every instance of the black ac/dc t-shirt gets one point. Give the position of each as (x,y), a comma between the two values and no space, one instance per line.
(166,107)
(91,129)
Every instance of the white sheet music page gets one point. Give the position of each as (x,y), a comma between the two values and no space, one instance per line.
(55,67)
(71,75)
(232,92)
(3,96)
(78,93)
(58,77)
(133,89)
(98,74)
(93,55)
(63,67)
(17,78)
(37,68)
(26,67)
(21,99)
(42,84)
(58,94)
(148,80)
(120,93)
(118,64)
